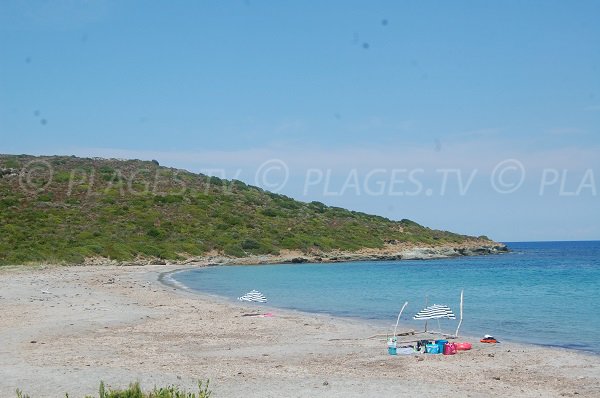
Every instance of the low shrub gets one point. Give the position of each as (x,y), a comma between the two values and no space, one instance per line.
(135,391)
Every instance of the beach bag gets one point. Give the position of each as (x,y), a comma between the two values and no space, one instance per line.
(441,344)
(421,345)
(433,348)
(449,349)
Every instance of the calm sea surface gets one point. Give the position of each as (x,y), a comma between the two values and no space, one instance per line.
(541,292)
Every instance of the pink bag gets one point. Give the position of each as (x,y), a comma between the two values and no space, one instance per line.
(449,349)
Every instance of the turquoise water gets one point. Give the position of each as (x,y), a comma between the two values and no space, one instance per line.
(541,292)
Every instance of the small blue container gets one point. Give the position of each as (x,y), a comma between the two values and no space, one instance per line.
(392,344)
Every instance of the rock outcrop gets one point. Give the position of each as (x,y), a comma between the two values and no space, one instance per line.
(392,252)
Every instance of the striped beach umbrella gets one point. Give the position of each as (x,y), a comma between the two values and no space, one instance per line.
(435,311)
(253,296)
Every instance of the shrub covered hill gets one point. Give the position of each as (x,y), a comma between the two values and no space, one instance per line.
(58,209)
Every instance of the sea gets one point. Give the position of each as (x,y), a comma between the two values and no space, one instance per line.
(544,293)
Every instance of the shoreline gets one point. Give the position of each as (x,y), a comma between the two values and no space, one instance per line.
(66,328)
(377,323)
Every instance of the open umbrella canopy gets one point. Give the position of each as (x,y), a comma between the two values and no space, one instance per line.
(254,296)
(435,311)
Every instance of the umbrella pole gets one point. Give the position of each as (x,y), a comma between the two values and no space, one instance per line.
(398,320)
(426,307)
(461,312)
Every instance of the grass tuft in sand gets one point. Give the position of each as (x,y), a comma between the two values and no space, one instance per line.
(135,391)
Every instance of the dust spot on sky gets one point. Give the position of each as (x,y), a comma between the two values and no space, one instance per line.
(337,116)
(366,45)
(28,60)
(43,122)
(384,22)
(437,145)
(36,113)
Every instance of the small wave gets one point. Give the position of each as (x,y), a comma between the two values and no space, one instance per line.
(169,280)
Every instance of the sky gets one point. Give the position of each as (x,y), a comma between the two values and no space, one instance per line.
(470,116)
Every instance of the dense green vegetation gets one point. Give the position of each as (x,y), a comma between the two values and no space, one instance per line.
(66,209)
(135,391)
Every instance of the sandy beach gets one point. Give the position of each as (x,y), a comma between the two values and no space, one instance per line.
(63,329)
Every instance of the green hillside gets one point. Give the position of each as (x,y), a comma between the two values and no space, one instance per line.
(64,209)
